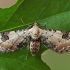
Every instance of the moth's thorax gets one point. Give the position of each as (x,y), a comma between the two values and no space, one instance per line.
(35,31)
(34,47)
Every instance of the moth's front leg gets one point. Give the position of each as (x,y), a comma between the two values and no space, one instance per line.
(28,50)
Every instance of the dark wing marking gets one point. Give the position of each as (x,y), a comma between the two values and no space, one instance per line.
(65,35)
(13,40)
(4,38)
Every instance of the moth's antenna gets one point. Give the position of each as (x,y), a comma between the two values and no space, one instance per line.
(22,21)
(29,26)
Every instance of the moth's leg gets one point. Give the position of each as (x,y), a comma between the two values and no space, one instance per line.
(43,26)
(28,50)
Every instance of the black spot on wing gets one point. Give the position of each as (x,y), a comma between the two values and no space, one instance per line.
(65,36)
(4,38)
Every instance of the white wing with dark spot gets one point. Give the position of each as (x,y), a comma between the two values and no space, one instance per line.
(57,41)
(10,41)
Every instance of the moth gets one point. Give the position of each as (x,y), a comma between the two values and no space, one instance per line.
(55,40)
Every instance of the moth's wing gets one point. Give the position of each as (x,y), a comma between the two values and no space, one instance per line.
(55,41)
(46,39)
(13,40)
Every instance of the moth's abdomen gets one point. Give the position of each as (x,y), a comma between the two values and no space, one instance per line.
(34,47)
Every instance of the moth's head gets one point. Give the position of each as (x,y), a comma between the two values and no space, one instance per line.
(35,24)
(35,31)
